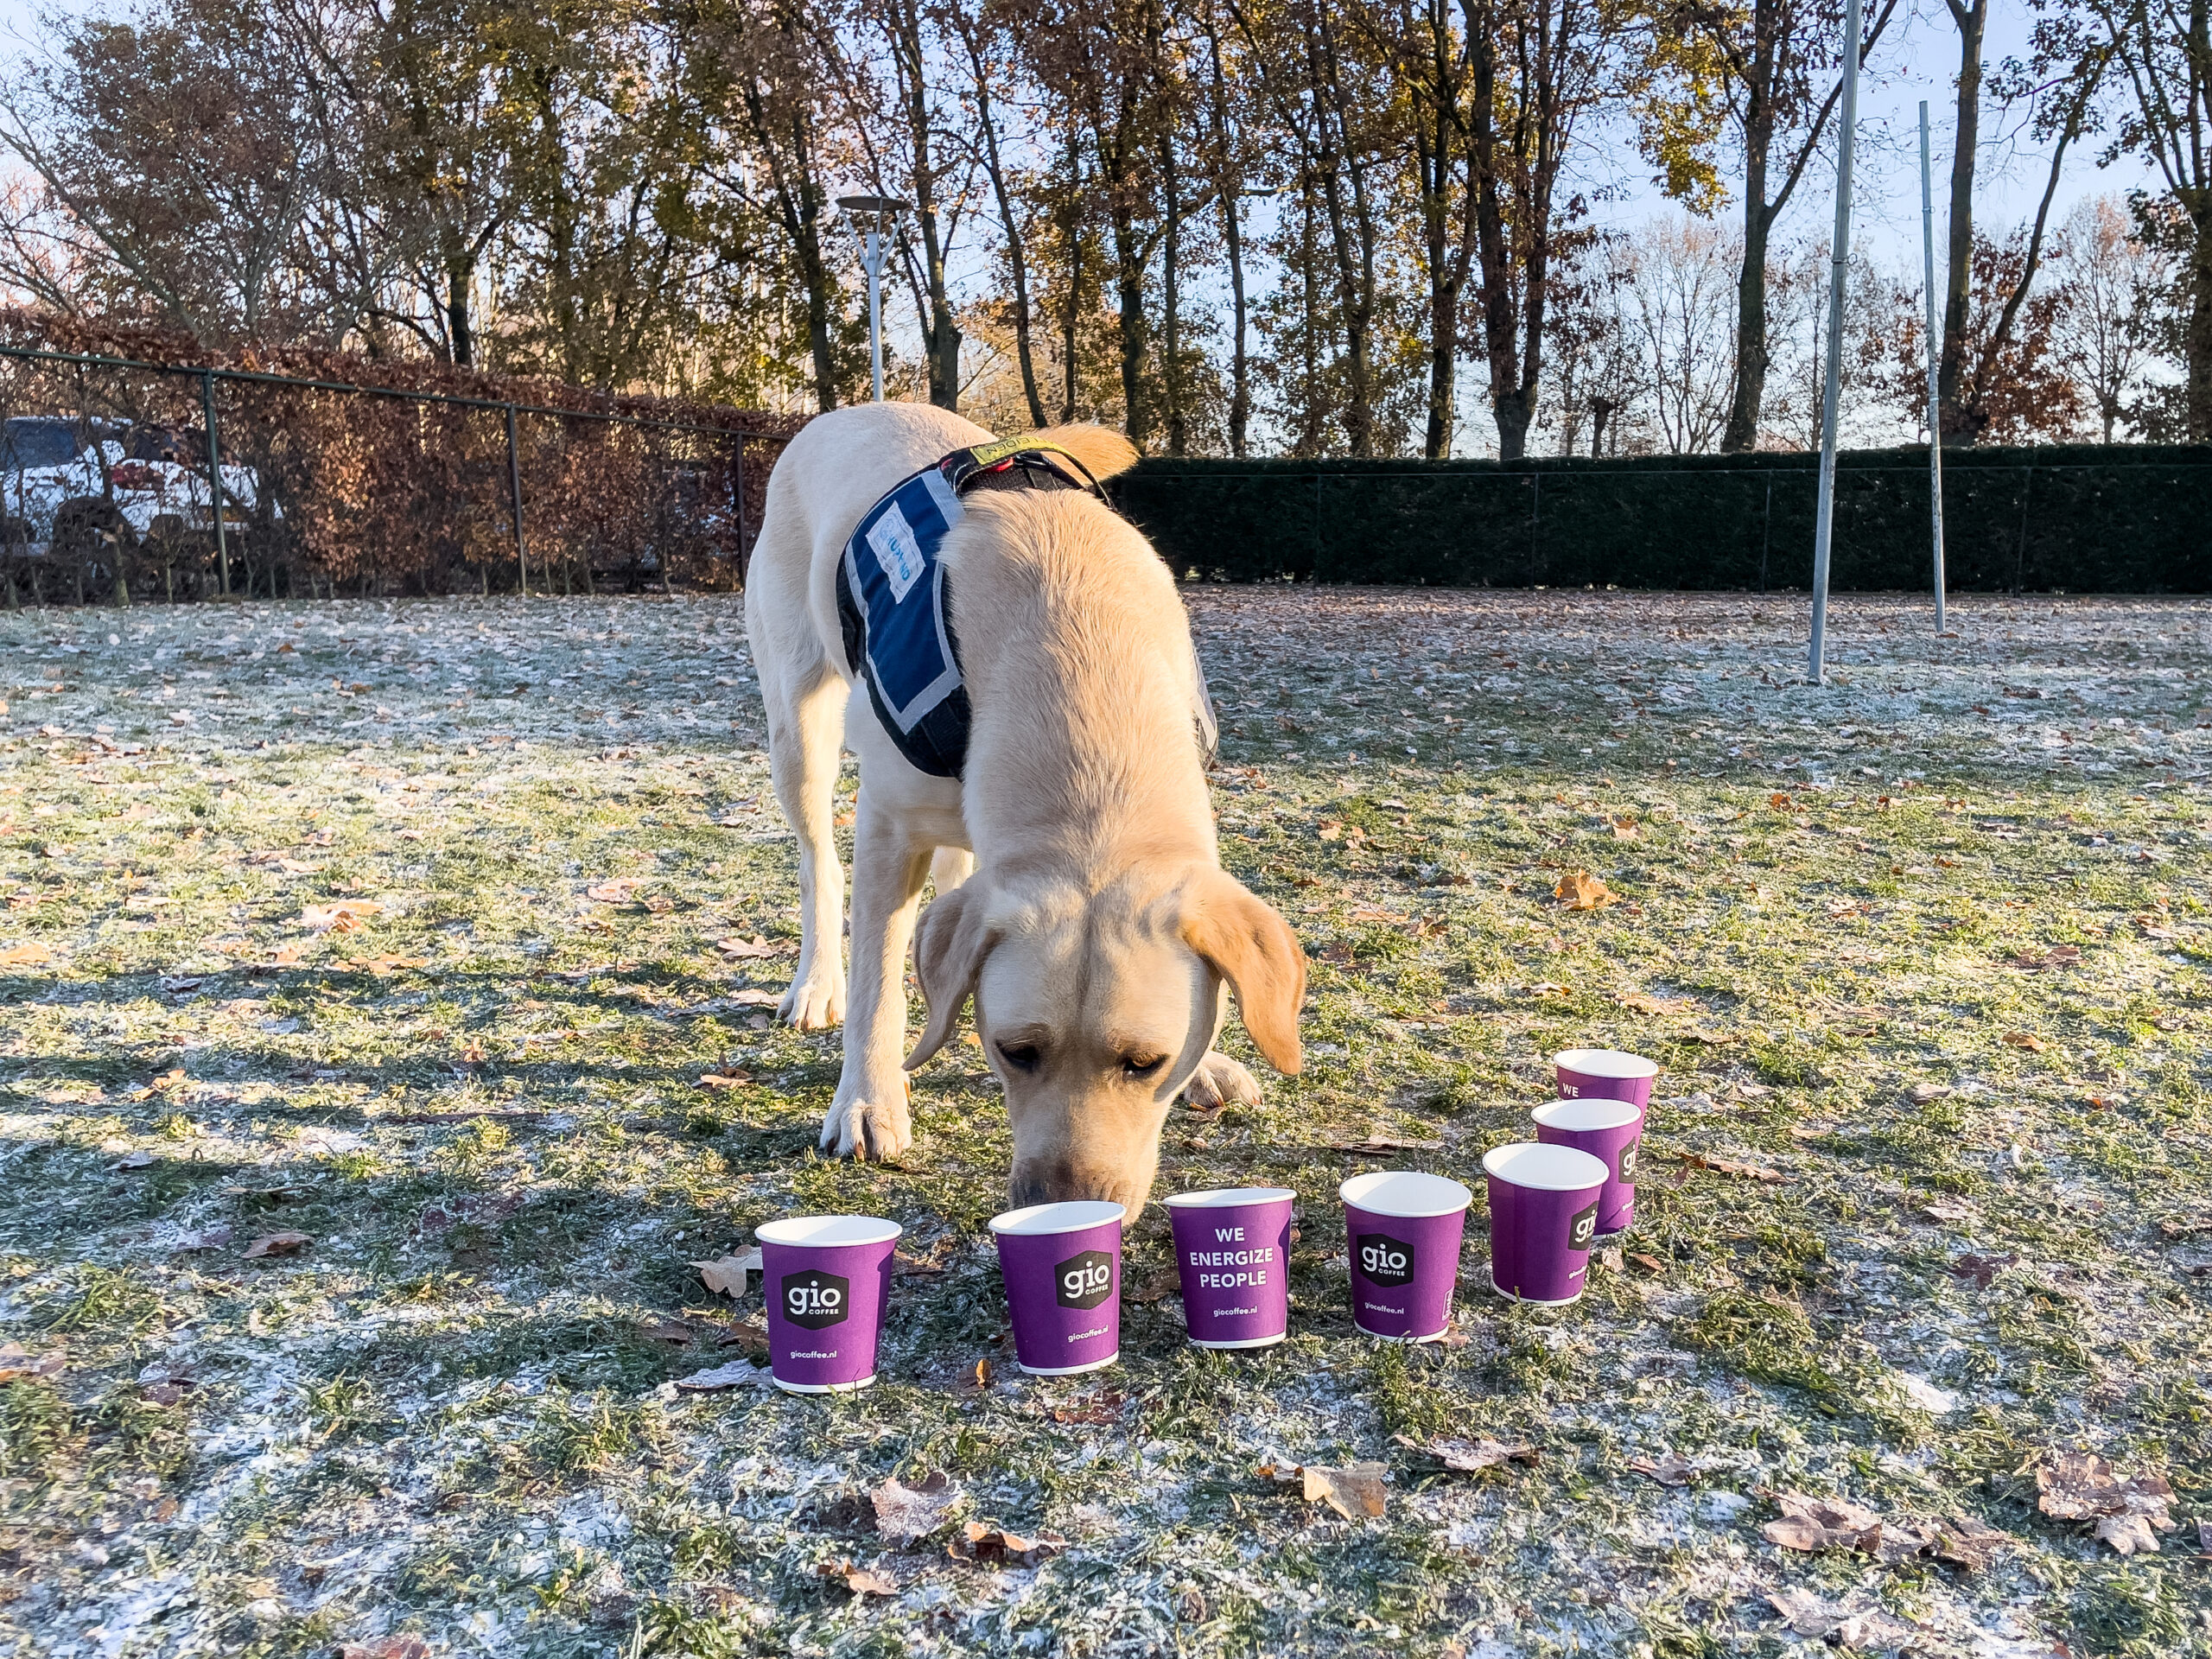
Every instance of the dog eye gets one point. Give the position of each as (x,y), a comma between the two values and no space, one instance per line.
(1022,1057)
(1137,1068)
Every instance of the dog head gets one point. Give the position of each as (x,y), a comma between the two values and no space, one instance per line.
(1095,1008)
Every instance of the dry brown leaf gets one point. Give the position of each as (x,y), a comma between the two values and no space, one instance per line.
(1099,1410)
(383,967)
(18,1366)
(1626,828)
(995,1547)
(1469,1456)
(284,1244)
(1817,1523)
(1966,1540)
(904,1513)
(1649,1263)
(339,916)
(860,1580)
(24,955)
(161,1084)
(1727,1166)
(723,1079)
(1580,890)
(385,1647)
(2026,1039)
(1669,1468)
(1921,1093)
(1352,1492)
(2130,1512)
(758,947)
(208,1238)
(1158,1288)
(1644,1003)
(737,1374)
(619,892)
(1982,1270)
(726,1275)
(1378,1145)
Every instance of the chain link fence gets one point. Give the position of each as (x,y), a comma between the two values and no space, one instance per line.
(124,479)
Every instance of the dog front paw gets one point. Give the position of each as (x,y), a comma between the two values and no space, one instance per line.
(1219,1081)
(870,1130)
(814,1004)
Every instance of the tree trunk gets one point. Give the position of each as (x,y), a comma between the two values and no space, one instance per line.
(1071,329)
(2196,339)
(1017,260)
(1748,396)
(1240,395)
(1960,424)
(461,336)
(1170,328)
(943,342)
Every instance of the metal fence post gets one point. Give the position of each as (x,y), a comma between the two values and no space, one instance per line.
(514,492)
(215,478)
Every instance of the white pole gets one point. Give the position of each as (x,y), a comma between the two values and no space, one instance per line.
(1935,411)
(1832,389)
(873,258)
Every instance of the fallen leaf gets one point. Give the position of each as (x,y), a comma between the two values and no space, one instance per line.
(161,1084)
(132,1160)
(860,1580)
(1550,988)
(1469,1456)
(2026,1039)
(208,1238)
(1966,1540)
(756,948)
(385,1647)
(753,998)
(1782,803)
(2185,1228)
(1921,1093)
(1727,1166)
(904,1513)
(1670,1469)
(1810,1524)
(177,984)
(726,1275)
(1956,1211)
(670,1330)
(2130,1512)
(619,892)
(1649,1263)
(1100,1410)
(1158,1288)
(17,1365)
(285,1244)
(165,1393)
(992,1545)
(1626,828)
(1867,1624)
(1352,1492)
(341,916)
(1981,1269)
(1376,1145)
(24,955)
(1580,890)
(738,1374)
(723,1079)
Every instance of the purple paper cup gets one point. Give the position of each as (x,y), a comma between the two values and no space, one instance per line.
(1232,1249)
(1543,1214)
(1604,1074)
(1403,1229)
(1610,1131)
(1062,1263)
(826,1278)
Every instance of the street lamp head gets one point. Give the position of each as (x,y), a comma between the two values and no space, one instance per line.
(878,206)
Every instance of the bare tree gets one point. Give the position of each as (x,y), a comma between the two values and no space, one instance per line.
(2110,281)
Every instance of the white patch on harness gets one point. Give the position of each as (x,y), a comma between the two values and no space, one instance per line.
(891,538)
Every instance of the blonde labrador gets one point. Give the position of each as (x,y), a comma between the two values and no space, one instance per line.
(1098,931)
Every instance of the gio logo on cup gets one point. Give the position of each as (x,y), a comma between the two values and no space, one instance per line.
(814,1299)
(1384,1260)
(1083,1280)
(1582,1228)
(1628,1161)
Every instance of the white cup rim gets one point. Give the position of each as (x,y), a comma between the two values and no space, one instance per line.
(1588,1113)
(1545,1168)
(828,1232)
(1605,1062)
(1068,1215)
(1410,1194)
(1225,1197)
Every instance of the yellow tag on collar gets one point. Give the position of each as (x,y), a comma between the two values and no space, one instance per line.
(987,453)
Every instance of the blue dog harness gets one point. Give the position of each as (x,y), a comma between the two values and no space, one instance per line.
(891,594)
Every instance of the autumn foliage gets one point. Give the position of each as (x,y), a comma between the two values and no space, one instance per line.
(403,493)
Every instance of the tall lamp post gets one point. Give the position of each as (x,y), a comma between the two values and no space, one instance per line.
(877,215)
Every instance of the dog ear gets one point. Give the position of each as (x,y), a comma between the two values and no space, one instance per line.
(949,950)
(1251,947)
(1102,451)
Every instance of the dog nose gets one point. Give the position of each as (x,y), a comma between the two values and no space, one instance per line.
(1059,1182)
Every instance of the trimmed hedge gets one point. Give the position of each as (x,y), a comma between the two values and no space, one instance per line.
(2077,519)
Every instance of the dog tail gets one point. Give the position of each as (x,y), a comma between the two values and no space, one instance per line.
(1102,451)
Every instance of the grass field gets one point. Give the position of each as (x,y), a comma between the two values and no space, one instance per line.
(397,930)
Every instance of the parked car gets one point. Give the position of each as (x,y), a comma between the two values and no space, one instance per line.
(69,485)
